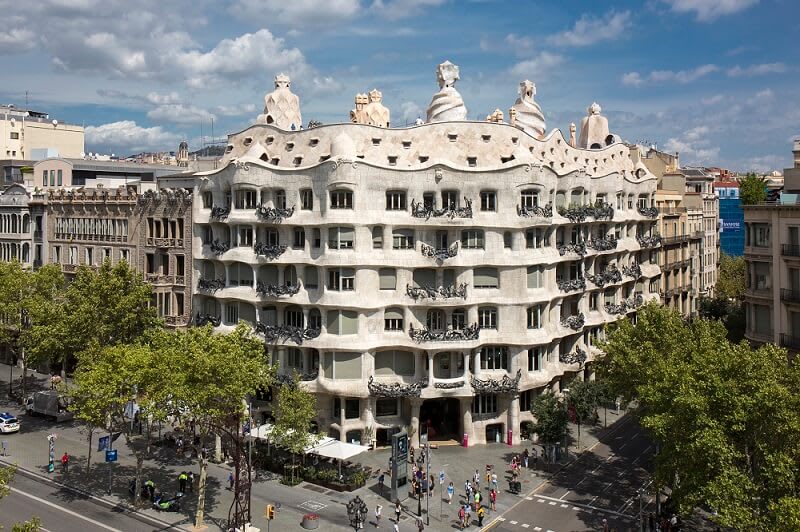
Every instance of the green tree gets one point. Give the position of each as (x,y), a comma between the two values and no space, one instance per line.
(551,421)
(583,398)
(727,417)
(752,189)
(103,307)
(731,282)
(211,375)
(297,409)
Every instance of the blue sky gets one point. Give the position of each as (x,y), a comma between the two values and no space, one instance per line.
(718,81)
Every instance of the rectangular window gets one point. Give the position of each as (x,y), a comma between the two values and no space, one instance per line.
(245,233)
(487,317)
(388,278)
(486,278)
(280,199)
(535,359)
(488,200)
(341,279)
(593,301)
(449,199)
(342,322)
(535,317)
(424,277)
(763,319)
(534,238)
(52,178)
(377,237)
(299,240)
(60,179)
(535,275)
(341,237)
(458,319)
(403,239)
(317,238)
(73,255)
(306,199)
(472,239)
(90,256)
(494,357)
(529,199)
(761,235)
(44,178)
(14,135)
(232,314)
(393,320)
(208,200)
(341,199)
(125,254)
(344,366)
(246,199)
(56,254)
(484,404)
(385,407)
(395,200)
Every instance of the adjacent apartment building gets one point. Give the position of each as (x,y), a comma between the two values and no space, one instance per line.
(772,253)
(441,275)
(33,135)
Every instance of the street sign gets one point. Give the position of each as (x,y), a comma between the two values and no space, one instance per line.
(102,443)
(111,455)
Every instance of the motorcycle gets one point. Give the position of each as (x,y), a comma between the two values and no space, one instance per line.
(168,505)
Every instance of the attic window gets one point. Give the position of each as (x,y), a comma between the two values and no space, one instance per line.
(486,138)
(229,148)
(393,160)
(472,161)
(505,160)
(264,157)
(423,158)
(289,146)
(543,154)
(313,142)
(324,157)
(452,137)
(275,161)
(376,142)
(515,140)
(558,141)
(248,141)
(360,156)
(406,144)
(298,160)
(270,140)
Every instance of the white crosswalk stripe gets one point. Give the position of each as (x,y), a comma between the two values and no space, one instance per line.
(528,498)
(513,522)
(537,528)
(526,525)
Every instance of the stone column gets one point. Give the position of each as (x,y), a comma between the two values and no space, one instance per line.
(466,418)
(513,419)
(416,402)
(430,369)
(476,362)
(342,431)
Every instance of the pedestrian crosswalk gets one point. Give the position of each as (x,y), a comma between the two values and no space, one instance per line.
(541,499)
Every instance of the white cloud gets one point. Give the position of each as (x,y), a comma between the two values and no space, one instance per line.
(694,146)
(761,96)
(635,79)
(17,40)
(236,110)
(325,85)
(518,43)
(296,13)
(395,9)
(161,99)
(127,137)
(708,10)
(179,114)
(588,30)
(757,70)
(712,100)
(538,66)
(410,112)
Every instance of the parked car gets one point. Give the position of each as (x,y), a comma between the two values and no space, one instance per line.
(8,423)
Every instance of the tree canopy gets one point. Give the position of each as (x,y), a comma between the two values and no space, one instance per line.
(752,189)
(297,409)
(551,419)
(727,417)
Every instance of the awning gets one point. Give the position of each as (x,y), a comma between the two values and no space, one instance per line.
(336,449)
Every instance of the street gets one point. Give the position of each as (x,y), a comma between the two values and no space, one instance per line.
(603,484)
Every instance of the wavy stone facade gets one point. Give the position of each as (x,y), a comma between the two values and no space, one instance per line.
(440,274)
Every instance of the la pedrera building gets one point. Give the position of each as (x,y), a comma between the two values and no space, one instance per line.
(440,275)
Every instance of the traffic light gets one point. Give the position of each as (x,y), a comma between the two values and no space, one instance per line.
(270,512)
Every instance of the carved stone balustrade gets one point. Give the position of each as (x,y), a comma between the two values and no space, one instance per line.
(269,251)
(491,386)
(650,212)
(575,357)
(535,212)
(606,243)
(647,241)
(470,332)
(579,248)
(610,275)
(271,290)
(634,270)
(201,319)
(210,285)
(219,213)
(420,210)
(574,322)
(286,333)
(274,215)
(571,285)
(439,254)
(395,389)
(219,247)
(444,292)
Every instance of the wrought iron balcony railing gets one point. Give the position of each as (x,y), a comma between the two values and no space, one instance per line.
(625,305)
(439,254)
(610,275)
(287,379)
(792,342)
(634,270)
(650,212)
(286,333)
(269,251)
(570,285)
(273,214)
(201,319)
(647,241)
(605,243)
(535,212)
(219,247)
(574,322)
(470,332)
(578,213)
(790,250)
(789,295)
(395,389)
(579,248)
(493,386)
(573,357)
(420,210)
(443,292)
(219,213)
(272,290)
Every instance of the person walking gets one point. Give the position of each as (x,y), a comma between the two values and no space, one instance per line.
(468,511)
(182,478)
(398,509)
(493,499)
(420,525)
(494,481)
(450,492)
(191,482)
(377,516)
(525,457)
(150,487)
(230,481)
(65,463)
(476,478)
(462,517)
(431,484)
(478,499)
(395,527)
(468,490)
(381,479)
(481,515)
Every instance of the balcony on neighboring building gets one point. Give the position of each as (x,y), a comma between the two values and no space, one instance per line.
(790,296)
(790,342)
(790,250)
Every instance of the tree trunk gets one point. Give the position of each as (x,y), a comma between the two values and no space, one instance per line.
(201,492)
(579,436)
(138,483)
(89,456)
(24,375)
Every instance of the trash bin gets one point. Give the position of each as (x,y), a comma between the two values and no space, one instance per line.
(465,440)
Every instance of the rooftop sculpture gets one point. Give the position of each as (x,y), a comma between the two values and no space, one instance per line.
(527,113)
(594,129)
(281,106)
(447,104)
(369,110)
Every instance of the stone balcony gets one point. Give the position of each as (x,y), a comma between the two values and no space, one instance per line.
(420,210)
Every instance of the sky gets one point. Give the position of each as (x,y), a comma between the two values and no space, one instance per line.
(716,80)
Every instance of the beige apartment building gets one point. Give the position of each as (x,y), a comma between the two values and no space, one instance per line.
(33,135)
(772,253)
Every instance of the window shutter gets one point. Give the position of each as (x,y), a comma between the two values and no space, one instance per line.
(349,322)
(485,278)
(388,278)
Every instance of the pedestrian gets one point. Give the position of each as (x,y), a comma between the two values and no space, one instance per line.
(150,486)
(182,478)
(420,525)
(396,527)
(381,479)
(450,492)
(605,525)
(468,511)
(377,516)
(65,463)
(462,517)
(494,481)
(493,499)
(191,482)
(488,474)
(525,457)
(476,478)
(481,515)
(398,509)
(411,454)
(230,481)
(468,490)
(478,499)
(431,484)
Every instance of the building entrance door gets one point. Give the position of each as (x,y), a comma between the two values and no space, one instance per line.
(443,419)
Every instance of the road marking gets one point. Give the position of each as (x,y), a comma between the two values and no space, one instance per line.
(537,528)
(526,525)
(552,503)
(575,508)
(580,481)
(565,505)
(57,507)
(625,504)
(607,486)
(562,497)
(540,500)
(513,522)
(528,498)
(587,506)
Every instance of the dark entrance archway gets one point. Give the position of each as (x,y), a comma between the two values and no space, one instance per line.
(442,417)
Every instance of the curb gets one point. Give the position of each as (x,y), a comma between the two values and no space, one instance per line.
(130,511)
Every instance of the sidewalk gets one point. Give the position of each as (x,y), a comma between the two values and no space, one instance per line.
(29,450)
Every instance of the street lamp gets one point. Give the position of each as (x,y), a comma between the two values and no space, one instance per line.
(357,512)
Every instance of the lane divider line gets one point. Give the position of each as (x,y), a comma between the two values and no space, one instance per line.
(62,509)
